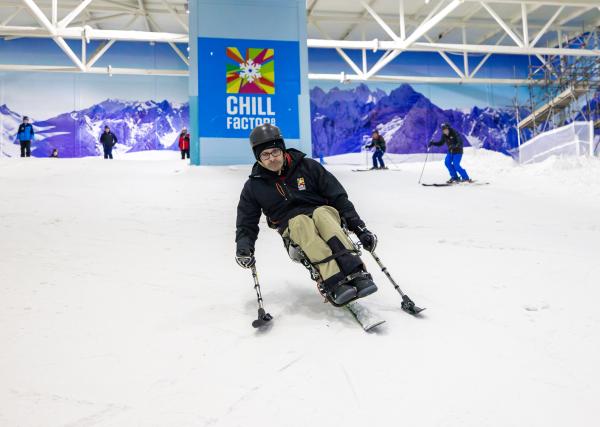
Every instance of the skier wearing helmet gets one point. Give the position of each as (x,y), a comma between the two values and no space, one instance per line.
(306,204)
(455,152)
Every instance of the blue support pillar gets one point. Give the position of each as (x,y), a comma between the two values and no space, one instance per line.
(249,65)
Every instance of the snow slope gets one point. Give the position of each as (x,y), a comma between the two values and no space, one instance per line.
(121,304)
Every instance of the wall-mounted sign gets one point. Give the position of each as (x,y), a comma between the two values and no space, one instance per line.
(245,83)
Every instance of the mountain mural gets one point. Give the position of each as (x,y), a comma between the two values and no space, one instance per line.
(138,126)
(343,120)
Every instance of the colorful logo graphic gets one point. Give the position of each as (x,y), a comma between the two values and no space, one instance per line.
(301,184)
(252,73)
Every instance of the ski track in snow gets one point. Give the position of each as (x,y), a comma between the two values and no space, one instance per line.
(121,303)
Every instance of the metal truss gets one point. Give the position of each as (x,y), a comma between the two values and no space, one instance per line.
(522,33)
(69,27)
(525,41)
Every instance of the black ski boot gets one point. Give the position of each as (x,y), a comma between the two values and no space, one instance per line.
(343,294)
(338,290)
(364,285)
(453,180)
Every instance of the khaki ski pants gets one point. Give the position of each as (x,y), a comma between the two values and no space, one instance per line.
(312,234)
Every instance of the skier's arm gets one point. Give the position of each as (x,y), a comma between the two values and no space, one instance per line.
(437,143)
(248,215)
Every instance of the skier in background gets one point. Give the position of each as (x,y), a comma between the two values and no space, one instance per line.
(108,140)
(184,143)
(305,203)
(25,135)
(54,153)
(455,152)
(378,142)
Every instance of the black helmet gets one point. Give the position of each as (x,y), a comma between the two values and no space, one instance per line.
(264,133)
(265,136)
(445,126)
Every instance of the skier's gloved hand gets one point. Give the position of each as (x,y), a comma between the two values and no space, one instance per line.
(368,239)
(245,258)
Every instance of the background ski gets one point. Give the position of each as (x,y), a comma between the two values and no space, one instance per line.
(369,170)
(445,184)
(367,319)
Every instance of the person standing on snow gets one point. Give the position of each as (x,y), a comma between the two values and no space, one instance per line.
(455,152)
(108,140)
(305,203)
(378,142)
(25,135)
(184,143)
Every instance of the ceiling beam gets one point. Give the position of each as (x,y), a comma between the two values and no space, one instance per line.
(95,34)
(41,18)
(74,13)
(448,47)
(95,70)
(346,78)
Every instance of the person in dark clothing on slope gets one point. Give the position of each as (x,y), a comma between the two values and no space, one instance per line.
(455,152)
(108,141)
(184,143)
(306,204)
(54,153)
(25,135)
(378,142)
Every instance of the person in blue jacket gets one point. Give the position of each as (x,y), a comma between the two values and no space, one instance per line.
(452,139)
(25,136)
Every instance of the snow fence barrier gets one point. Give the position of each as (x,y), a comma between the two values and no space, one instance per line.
(574,139)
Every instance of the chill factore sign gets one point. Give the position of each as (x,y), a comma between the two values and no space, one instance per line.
(245,83)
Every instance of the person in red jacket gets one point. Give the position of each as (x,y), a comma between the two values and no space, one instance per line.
(184,143)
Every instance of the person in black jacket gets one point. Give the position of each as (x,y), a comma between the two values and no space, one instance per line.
(378,142)
(306,204)
(455,152)
(108,141)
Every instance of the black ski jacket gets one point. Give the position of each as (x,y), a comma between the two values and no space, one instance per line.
(453,140)
(108,139)
(378,143)
(303,186)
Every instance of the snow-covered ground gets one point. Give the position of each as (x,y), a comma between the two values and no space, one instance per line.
(121,303)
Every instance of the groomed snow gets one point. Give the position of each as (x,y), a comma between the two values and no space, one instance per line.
(121,303)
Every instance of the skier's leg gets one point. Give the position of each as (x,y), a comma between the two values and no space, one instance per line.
(303,232)
(381,153)
(456,163)
(328,223)
(187,153)
(450,166)
(22,148)
(182,154)
(375,160)
(28,148)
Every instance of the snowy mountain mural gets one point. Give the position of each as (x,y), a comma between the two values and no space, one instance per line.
(342,121)
(138,126)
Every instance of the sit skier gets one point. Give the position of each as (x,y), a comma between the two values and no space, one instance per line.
(378,142)
(305,203)
(455,152)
